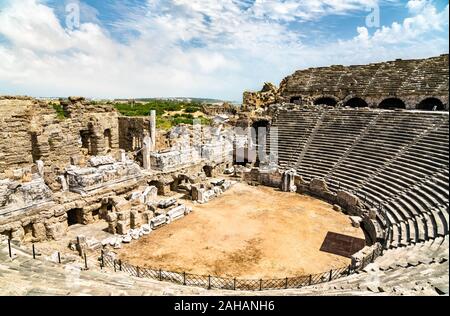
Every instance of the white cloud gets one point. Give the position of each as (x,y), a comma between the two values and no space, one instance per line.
(289,10)
(425,22)
(235,47)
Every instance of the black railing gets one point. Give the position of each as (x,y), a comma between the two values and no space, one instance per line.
(213,282)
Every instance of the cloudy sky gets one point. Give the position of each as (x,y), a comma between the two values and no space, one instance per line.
(201,48)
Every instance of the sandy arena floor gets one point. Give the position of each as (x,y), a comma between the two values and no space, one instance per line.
(249,232)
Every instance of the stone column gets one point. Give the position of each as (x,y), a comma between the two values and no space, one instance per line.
(64,185)
(153,130)
(122,155)
(40,168)
(146,150)
(288,183)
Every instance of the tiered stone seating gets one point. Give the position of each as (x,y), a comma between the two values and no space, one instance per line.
(420,269)
(418,175)
(395,72)
(430,76)
(380,144)
(395,161)
(336,133)
(293,132)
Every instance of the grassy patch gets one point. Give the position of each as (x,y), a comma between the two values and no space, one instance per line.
(164,107)
(59,109)
(160,106)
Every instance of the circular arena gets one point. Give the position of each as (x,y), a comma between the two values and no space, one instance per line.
(298,192)
(241,235)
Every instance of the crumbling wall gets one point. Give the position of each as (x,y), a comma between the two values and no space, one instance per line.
(267,96)
(132,131)
(32,130)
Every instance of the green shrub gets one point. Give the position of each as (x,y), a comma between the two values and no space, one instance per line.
(59,109)
(191,109)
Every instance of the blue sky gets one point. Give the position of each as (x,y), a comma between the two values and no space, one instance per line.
(201,48)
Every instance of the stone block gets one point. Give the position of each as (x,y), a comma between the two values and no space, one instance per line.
(318,186)
(56,230)
(123,216)
(39,231)
(18,234)
(123,227)
(349,202)
(111,217)
(112,228)
(123,206)
(135,219)
(356,221)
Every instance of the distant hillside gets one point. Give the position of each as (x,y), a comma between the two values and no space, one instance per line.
(181,99)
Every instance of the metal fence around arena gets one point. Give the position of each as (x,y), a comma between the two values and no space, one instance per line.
(214,282)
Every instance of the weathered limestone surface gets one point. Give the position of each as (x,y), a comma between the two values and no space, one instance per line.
(38,133)
(349,201)
(205,192)
(268,95)
(15,195)
(319,188)
(410,80)
(103,171)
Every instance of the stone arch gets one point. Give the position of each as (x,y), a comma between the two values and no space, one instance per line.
(107,135)
(392,103)
(356,102)
(431,104)
(326,100)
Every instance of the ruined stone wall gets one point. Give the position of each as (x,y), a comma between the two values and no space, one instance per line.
(15,139)
(225,108)
(31,130)
(411,81)
(267,96)
(132,130)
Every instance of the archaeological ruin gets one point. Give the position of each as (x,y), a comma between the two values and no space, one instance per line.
(82,184)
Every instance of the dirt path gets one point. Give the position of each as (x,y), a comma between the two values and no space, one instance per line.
(249,232)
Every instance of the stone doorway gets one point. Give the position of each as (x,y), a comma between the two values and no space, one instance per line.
(75,216)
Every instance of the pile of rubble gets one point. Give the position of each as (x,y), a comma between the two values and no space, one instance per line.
(16,195)
(102,170)
(204,192)
(132,217)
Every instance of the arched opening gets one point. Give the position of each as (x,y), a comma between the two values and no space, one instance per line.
(260,131)
(325,101)
(391,104)
(86,140)
(108,139)
(431,104)
(296,100)
(75,216)
(356,103)
(209,171)
(160,186)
